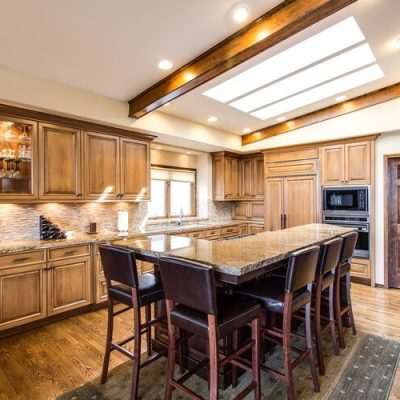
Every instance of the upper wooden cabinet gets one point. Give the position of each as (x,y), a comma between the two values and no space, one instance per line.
(238,177)
(248,210)
(60,165)
(346,164)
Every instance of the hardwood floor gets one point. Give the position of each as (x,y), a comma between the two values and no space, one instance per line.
(45,362)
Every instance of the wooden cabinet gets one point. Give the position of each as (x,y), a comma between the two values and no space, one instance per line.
(361,268)
(252,178)
(135,169)
(346,164)
(60,168)
(255,228)
(290,201)
(243,229)
(253,211)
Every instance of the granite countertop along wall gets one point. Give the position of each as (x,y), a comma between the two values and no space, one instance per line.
(10,247)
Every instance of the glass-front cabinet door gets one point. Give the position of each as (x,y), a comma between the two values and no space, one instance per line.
(18,146)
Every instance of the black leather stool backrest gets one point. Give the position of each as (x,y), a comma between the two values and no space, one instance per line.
(190,284)
(349,244)
(301,269)
(119,265)
(329,256)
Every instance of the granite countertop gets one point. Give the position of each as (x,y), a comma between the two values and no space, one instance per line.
(10,247)
(238,256)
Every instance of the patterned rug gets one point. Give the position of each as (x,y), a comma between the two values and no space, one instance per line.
(364,370)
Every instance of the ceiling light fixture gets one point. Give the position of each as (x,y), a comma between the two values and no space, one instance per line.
(188,152)
(342,64)
(398,42)
(262,35)
(189,76)
(165,65)
(240,14)
(281,119)
(212,119)
(167,104)
(324,44)
(342,84)
(341,98)
(246,130)
(158,147)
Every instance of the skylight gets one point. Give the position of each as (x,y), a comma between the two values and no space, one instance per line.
(332,88)
(342,64)
(322,45)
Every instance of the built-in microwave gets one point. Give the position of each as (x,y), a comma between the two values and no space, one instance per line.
(346,199)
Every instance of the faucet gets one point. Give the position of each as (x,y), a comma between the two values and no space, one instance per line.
(180,221)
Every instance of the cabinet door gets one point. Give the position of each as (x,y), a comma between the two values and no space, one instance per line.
(22,295)
(235,177)
(361,268)
(69,285)
(246,175)
(332,165)
(255,228)
(243,229)
(358,163)
(102,172)
(258,178)
(273,204)
(240,210)
(256,211)
(60,162)
(135,170)
(218,175)
(300,198)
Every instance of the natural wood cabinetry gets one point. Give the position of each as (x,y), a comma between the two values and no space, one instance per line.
(60,169)
(252,178)
(255,228)
(361,268)
(274,204)
(346,164)
(253,211)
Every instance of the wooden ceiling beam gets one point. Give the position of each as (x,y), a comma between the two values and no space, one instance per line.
(283,21)
(357,103)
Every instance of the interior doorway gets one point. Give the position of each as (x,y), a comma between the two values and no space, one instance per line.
(392,200)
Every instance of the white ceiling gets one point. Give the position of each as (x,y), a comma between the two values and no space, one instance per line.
(112,47)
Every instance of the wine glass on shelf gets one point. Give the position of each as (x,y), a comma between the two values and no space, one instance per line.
(23,135)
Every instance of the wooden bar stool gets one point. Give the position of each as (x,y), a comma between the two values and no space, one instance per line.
(126,287)
(193,306)
(285,297)
(342,286)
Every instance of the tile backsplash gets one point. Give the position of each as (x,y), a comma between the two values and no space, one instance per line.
(21,221)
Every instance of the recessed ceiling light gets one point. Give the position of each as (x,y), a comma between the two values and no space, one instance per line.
(361,56)
(240,14)
(341,98)
(212,119)
(262,35)
(165,65)
(188,152)
(158,147)
(342,84)
(246,130)
(281,119)
(167,104)
(189,76)
(324,44)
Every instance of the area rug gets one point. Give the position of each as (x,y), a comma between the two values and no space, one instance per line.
(364,370)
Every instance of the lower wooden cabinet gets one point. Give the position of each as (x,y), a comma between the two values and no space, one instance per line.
(255,228)
(361,268)
(69,285)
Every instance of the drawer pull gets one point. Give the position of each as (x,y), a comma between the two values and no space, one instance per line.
(68,253)
(229,230)
(21,259)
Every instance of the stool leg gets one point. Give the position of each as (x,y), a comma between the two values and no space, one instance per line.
(136,352)
(338,314)
(318,340)
(287,348)
(147,311)
(310,348)
(255,357)
(171,353)
(351,315)
(235,346)
(110,327)
(213,346)
(332,319)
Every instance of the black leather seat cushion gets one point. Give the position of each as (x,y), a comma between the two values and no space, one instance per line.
(233,313)
(150,291)
(270,294)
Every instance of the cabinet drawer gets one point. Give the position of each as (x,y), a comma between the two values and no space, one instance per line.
(231,230)
(65,252)
(290,168)
(212,238)
(213,232)
(196,235)
(31,257)
(361,268)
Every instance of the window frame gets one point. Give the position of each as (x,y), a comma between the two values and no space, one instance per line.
(168,191)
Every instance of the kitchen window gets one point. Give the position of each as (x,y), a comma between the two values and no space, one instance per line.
(172,190)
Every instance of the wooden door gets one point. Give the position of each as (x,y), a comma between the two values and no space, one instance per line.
(22,295)
(246,175)
(273,204)
(102,167)
(228,179)
(235,178)
(358,163)
(60,162)
(300,201)
(135,169)
(258,178)
(393,203)
(333,165)
(69,285)
(218,178)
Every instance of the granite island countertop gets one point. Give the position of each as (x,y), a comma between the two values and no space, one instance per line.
(238,256)
(9,247)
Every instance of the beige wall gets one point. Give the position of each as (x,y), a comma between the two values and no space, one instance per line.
(173,159)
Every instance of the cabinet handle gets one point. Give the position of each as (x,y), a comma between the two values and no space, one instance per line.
(79,194)
(284,221)
(281,221)
(21,259)
(70,252)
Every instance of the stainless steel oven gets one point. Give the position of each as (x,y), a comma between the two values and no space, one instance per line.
(361,224)
(342,200)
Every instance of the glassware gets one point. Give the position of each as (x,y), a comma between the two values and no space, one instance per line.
(24,134)
(2,172)
(22,151)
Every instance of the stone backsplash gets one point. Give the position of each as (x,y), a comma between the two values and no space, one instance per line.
(21,221)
